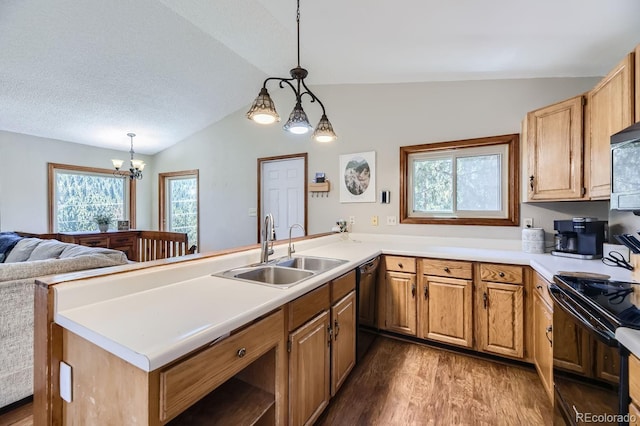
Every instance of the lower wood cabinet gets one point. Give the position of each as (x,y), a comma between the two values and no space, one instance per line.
(500,315)
(634,390)
(543,342)
(445,310)
(573,355)
(343,346)
(400,302)
(607,365)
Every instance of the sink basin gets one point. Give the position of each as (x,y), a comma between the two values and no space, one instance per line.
(284,272)
(310,263)
(270,274)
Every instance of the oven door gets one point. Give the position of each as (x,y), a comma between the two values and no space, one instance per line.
(580,396)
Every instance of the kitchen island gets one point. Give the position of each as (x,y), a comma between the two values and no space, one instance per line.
(152,316)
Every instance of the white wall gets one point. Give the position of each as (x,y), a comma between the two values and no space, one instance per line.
(23,178)
(377,118)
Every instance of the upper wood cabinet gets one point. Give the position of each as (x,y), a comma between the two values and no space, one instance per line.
(610,108)
(637,86)
(554,151)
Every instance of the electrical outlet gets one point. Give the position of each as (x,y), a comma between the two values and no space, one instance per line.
(374,220)
(528,222)
(391,220)
(352,220)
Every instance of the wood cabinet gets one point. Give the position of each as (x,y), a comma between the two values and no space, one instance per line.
(309,369)
(634,389)
(322,344)
(554,151)
(637,87)
(445,310)
(607,365)
(500,310)
(610,108)
(400,302)
(573,354)
(543,342)
(125,241)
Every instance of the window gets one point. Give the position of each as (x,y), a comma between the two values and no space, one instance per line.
(468,182)
(179,203)
(77,194)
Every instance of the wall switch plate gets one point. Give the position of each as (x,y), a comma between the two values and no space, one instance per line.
(527,222)
(392,220)
(253,212)
(352,220)
(374,220)
(65,381)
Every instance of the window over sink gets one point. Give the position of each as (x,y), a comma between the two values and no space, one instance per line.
(466,182)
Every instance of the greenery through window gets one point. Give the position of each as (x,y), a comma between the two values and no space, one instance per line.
(179,203)
(78,194)
(469,182)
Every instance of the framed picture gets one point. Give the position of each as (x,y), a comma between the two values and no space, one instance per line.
(358,177)
(123,225)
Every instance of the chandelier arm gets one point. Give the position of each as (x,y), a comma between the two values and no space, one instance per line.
(281,82)
(313,97)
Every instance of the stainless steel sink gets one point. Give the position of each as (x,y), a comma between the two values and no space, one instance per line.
(284,272)
(310,263)
(270,274)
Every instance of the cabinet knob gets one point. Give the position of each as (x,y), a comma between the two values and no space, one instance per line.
(531,182)
(242,352)
(413,291)
(426,291)
(501,274)
(400,265)
(446,269)
(485,299)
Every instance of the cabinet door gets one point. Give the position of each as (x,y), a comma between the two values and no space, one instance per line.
(446,310)
(501,319)
(309,369)
(607,363)
(400,305)
(543,342)
(609,110)
(343,350)
(554,151)
(573,354)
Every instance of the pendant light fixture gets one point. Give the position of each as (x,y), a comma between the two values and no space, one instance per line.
(135,166)
(263,111)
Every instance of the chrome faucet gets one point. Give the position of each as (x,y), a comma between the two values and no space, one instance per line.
(291,249)
(268,236)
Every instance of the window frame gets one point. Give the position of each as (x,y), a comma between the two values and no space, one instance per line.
(513,181)
(53,167)
(162,198)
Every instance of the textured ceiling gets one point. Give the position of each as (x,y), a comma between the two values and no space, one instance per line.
(90,71)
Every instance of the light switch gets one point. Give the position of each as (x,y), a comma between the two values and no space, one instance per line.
(65,381)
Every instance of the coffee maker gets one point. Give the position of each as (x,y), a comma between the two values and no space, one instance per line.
(580,237)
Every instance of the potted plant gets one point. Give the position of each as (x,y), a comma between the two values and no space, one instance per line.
(103,220)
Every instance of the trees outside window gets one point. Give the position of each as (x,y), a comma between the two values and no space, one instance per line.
(179,203)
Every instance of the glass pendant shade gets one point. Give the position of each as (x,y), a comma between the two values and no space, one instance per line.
(324,131)
(137,164)
(298,122)
(117,164)
(263,111)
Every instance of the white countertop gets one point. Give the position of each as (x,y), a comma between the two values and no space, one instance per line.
(153,316)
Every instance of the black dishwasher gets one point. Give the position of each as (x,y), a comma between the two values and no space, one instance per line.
(366,293)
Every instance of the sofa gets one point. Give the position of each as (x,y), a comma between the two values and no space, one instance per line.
(25,259)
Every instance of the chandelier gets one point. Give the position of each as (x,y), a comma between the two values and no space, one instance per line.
(263,111)
(135,166)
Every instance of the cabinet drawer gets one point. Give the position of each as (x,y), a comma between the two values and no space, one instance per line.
(341,286)
(400,264)
(93,241)
(447,268)
(128,240)
(634,379)
(501,273)
(306,307)
(542,288)
(184,383)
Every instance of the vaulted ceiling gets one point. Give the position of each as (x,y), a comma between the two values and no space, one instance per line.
(90,71)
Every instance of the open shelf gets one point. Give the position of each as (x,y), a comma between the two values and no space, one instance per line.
(233,403)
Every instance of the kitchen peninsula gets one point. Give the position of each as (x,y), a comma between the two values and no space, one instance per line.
(149,319)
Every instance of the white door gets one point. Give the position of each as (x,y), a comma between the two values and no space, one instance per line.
(282,195)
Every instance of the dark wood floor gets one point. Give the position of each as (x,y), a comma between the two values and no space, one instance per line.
(400,383)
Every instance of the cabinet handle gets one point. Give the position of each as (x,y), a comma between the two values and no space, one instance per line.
(400,265)
(485,299)
(426,291)
(242,352)
(446,269)
(501,274)
(531,182)
(413,291)
(546,333)
(330,332)
(539,287)
(337,328)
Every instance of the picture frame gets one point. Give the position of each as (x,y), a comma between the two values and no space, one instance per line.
(358,177)
(123,225)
